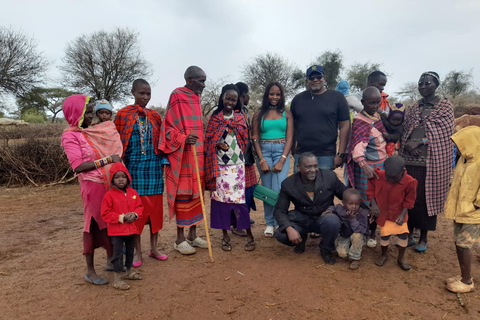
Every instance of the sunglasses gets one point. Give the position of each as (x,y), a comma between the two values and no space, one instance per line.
(318,77)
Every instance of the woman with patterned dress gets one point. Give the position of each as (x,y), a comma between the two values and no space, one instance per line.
(225,140)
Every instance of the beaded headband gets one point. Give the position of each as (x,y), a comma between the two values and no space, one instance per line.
(432,75)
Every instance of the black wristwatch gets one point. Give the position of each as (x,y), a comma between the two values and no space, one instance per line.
(341,155)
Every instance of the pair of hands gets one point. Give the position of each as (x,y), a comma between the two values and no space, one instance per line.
(129,217)
(412,147)
(276,168)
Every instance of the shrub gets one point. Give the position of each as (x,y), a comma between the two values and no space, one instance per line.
(32,154)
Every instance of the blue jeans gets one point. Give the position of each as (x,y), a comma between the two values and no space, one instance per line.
(328,226)
(324,162)
(272,153)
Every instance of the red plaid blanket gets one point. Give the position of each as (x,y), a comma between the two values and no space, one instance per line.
(183,116)
(438,128)
(215,128)
(361,130)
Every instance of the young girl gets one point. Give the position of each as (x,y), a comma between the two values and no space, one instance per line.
(367,148)
(391,195)
(225,141)
(139,128)
(121,206)
(393,123)
(273,138)
(90,150)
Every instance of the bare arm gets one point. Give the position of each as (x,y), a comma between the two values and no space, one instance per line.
(342,145)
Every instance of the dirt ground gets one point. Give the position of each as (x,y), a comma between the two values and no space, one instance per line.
(42,270)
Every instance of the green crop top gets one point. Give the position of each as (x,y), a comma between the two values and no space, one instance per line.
(274,129)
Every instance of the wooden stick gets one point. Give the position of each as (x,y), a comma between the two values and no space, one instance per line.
(200,191)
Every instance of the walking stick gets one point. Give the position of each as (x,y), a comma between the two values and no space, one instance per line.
(203,203)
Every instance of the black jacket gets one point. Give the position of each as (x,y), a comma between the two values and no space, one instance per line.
(327,186)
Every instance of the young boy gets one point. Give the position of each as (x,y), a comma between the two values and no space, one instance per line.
(378,79)
(354,227)
(121,206)
(103,110)
(463,204)
(391,196)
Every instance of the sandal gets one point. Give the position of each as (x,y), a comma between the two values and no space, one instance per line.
(403,265)
(241,233)
(251,245)
(121,285)
(354,265)
(269,230)
(381,262)
(314,235)
(133,276)
(226,246)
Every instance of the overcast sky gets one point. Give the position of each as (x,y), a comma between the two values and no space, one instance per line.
(406,37)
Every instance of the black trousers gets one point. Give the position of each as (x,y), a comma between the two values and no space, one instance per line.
(117,260)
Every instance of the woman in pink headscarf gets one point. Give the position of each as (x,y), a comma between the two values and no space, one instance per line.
(90,150)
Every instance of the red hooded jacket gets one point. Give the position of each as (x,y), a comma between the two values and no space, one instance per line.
(116,202)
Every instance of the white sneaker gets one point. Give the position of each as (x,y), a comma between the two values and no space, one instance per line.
(269,231)
(371,243)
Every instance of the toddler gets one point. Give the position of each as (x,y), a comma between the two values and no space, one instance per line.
(391,196)
(354,228)
(121,206)
(103,110)
(393,123)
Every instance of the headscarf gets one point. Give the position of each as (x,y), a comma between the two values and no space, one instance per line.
(74,108)
(343,87)
(397,108)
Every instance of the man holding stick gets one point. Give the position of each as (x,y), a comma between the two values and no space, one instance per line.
(181,129)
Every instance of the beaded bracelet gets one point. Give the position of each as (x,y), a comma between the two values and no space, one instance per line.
(102,162)
(262,160)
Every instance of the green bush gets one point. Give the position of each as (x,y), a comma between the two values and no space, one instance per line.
(33,116)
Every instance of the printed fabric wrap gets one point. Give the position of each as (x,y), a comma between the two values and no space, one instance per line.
(215,128)
(439,127)
(361,131)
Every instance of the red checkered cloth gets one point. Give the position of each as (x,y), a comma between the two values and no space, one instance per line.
(215,128)
(125,120)
(361,131)
(438,129)
(183,117)
(250,176)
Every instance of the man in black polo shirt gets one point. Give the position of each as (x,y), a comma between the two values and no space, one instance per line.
(311,190)
(318,114)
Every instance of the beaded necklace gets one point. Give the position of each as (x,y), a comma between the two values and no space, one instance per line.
(375,117)
(143,128)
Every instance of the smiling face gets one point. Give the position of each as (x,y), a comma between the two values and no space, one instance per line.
(308,168)
(352,202)
(427,86)
(230,98)
(120,180)
(371,100)
(274,95)
(315,82)
(142,94)
(88,116)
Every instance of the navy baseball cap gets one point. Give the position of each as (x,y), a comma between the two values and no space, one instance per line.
(313,69)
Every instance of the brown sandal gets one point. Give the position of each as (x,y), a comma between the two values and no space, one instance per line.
(121,285)
(251,245)
(133,276)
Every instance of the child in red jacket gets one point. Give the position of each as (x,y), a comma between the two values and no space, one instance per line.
(121,206)
(391,195)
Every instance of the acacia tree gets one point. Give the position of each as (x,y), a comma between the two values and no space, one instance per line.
(409,91)
(42,100)
(357,75)
(332,63)
(456,83)
(104,64)
(21,65)
(267,68)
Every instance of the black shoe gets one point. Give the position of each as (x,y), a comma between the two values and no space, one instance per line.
(252,221)
(328,257)
(300,248)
